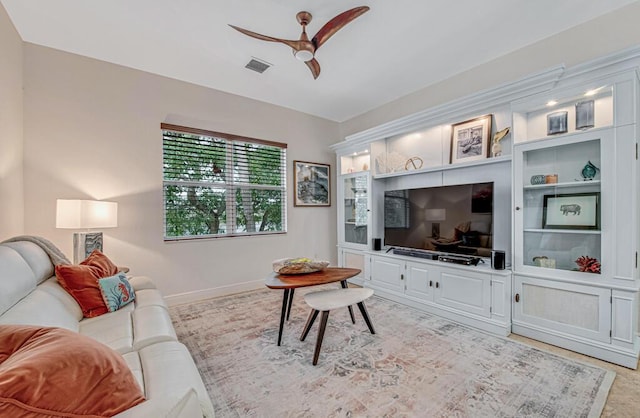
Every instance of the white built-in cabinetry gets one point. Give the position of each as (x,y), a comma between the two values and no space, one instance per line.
(542,295)
(474,295)
(557,224)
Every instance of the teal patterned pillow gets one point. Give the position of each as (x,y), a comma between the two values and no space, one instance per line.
(116,291)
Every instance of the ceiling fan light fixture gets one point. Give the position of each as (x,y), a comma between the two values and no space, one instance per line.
(304,49)
(303,55)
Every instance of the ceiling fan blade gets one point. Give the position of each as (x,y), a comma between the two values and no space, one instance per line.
(293,44)
(336,24)
(314,66)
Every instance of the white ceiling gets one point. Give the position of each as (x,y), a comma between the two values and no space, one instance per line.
(396,48)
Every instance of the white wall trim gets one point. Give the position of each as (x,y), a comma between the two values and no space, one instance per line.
(502,94)
(197,295)
(505,93)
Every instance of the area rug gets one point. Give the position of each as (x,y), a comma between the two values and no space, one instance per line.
(416,365)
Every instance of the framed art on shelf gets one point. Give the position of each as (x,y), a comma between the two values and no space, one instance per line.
(584,115)
(311,184)
(571,211)
(557,123)
(470,140)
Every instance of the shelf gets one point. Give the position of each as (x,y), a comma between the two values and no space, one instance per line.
(564,231)
(493,160)
(585,183)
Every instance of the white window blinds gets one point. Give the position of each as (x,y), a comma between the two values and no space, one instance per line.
(219,184)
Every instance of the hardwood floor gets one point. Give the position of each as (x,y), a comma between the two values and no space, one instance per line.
(624,396)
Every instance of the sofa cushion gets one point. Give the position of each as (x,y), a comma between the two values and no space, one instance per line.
(56,372)
(133,363)
(114,329)
(36,258)
(169,369)
(81,282)
(43,308)
(141,282)
(151,324)
(17,278)
(52,287)
(116,291)
(149,297)
(171,405)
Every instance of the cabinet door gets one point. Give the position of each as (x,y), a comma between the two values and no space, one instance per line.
(387,273)
(465,290)
(352,259)
(573,309)
(562,204)
(420,281)
(354,210)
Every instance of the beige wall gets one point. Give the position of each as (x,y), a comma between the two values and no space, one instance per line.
(93,131)
(11,137)
(609,33)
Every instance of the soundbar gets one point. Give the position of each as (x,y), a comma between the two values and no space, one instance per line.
(430,255)
(416,253)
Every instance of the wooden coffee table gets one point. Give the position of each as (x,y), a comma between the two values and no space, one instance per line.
(290,282)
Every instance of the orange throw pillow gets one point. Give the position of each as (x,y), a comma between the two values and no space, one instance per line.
(54,372)
(81,282)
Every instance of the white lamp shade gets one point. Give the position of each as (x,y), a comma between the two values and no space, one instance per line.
(435,214)
(85,214)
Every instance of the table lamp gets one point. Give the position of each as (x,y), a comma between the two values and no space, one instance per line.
(435,215)
(86,214)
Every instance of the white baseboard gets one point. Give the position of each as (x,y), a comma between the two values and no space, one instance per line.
(189,297)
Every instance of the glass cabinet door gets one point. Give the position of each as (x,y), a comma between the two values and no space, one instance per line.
(559,206)
(356,210)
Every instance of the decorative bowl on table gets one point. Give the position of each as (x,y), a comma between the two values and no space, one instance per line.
(298,265)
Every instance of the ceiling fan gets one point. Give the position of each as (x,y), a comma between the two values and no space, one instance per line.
(305,49)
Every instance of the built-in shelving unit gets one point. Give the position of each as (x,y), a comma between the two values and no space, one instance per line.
(566,208)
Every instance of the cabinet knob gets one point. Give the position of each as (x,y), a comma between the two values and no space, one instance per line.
(430,283)
(402,277)
(517,207)
(437,285)
(517,297)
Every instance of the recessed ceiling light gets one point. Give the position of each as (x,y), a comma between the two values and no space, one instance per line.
(552,102)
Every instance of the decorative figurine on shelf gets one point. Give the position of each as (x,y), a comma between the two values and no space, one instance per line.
(496,148)
(413,163)
(588,264)
(589,171)
(544,261)
(538,179)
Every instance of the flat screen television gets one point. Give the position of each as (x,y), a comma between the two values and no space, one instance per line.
(451,219)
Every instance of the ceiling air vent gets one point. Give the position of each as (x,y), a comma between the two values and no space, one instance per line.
(257,65)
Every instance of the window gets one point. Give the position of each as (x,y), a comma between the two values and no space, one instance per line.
(221,185)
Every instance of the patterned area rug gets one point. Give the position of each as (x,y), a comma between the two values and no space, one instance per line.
(416,364)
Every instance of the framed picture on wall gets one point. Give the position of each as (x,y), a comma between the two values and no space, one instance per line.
(470,140)
(311,184)
(571,211)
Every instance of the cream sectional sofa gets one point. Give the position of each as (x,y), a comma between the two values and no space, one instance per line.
(141,332)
